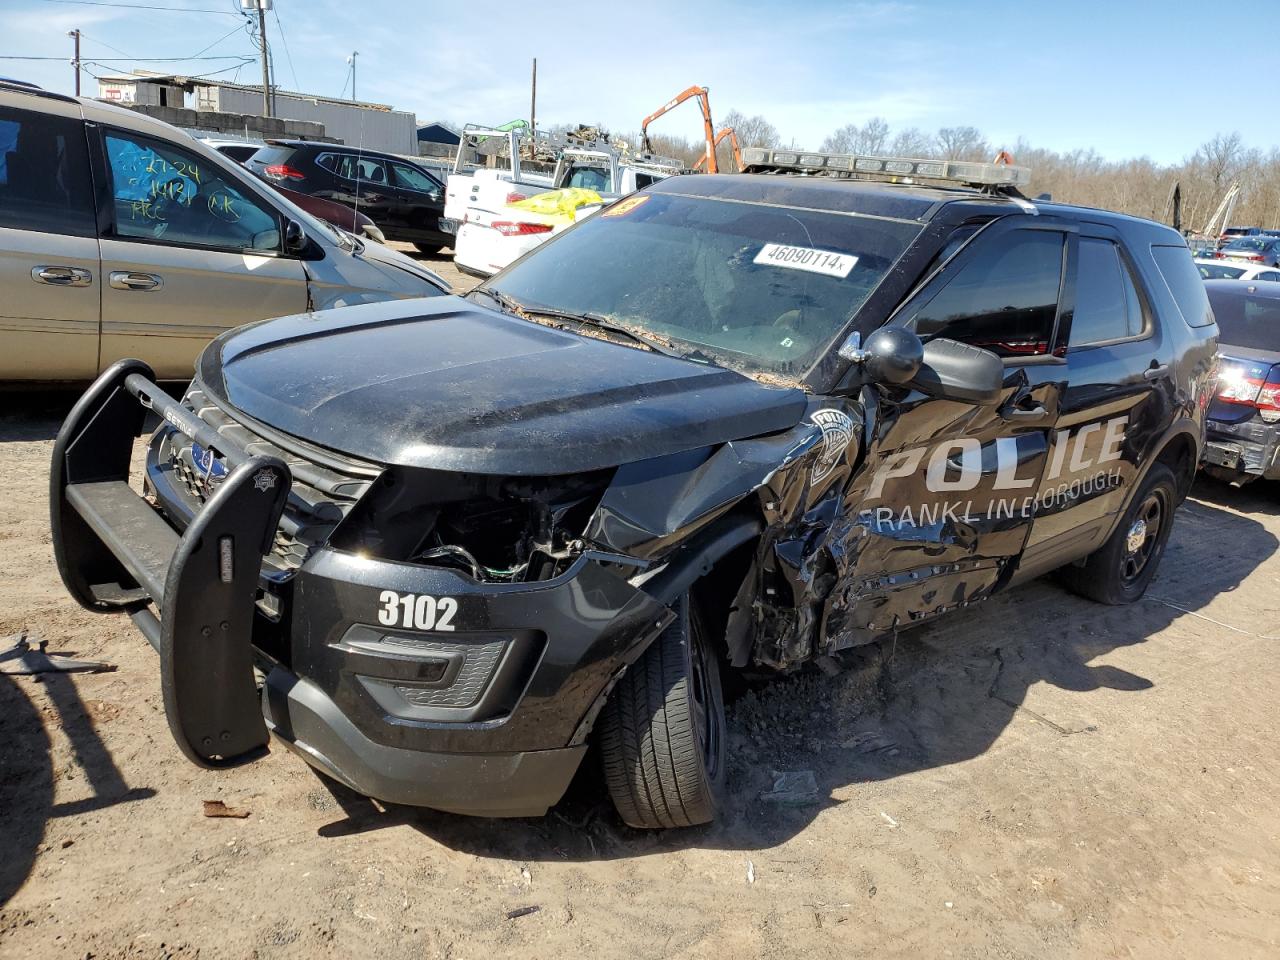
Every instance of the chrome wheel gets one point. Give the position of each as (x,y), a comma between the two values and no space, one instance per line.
(1142,538)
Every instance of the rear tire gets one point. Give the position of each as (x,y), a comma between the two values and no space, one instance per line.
(428,248)
(662,731)
(1119,571)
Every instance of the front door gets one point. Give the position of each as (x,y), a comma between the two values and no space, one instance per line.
(419,197)
(48,246)
(191,251)
(945,501)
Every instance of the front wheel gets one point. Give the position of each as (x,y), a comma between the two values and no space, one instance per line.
(662,731)
(428,248)
(1119,571)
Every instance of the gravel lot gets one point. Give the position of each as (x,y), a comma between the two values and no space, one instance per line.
(1036,777)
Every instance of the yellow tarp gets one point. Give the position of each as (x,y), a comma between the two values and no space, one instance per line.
(559,205)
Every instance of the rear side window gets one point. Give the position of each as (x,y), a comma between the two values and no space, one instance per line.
(44,174)
(1107,305)
(1004,300)
(1183,280)
(351,167)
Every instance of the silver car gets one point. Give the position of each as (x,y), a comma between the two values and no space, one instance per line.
(122,236)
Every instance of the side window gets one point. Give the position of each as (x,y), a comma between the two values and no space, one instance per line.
(370,171)
(645,179)
(1183,280)
(44,174)
(331,162)
(1107,304)
(413,179)
(165,194)
(1268,275)
(1004,299)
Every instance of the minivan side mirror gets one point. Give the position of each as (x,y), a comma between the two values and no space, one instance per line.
(295,238)
(942,368)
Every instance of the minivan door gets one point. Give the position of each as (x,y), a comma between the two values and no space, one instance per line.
(191,250)
(49,267)
(945,501)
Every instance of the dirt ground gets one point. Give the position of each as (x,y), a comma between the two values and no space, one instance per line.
(1036,777)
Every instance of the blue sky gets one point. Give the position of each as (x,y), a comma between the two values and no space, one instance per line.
(1126,77)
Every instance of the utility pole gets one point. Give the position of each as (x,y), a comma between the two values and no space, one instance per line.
(262,6)
(352,60)
(533,101)
(75,35)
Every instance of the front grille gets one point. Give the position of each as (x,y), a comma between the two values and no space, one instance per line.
(320,497)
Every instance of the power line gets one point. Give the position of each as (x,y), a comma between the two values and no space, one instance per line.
(287,55)
(144,6)
(193,76)
(229,56)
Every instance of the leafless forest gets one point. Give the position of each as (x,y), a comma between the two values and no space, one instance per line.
(1137,186)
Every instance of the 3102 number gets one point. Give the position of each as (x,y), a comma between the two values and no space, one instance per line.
(416,611)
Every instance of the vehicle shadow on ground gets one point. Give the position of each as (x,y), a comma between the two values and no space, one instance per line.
(26,768)
(32,415)
(939,695)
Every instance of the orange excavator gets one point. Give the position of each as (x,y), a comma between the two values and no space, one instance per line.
(733,143)
(704,101)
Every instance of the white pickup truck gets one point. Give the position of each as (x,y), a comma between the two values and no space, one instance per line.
(491,233)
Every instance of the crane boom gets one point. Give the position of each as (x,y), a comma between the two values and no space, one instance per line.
(704,101)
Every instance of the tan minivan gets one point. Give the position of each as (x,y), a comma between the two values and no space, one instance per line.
(122,236)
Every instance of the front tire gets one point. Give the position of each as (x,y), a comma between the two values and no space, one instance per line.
(662,731)
(428,248)
(1120,570)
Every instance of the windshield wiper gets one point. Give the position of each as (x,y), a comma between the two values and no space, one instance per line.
(587,318)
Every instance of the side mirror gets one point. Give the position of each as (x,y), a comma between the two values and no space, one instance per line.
(295,238)
(957,371)
(891,354)
(946,369)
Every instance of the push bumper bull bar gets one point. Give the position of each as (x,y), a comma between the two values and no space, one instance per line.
(116,552)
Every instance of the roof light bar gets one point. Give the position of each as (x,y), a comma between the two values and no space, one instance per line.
(851,165)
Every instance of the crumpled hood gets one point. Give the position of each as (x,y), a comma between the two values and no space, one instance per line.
(448,384)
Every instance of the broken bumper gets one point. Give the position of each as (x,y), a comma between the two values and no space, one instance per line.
(1248,449)
(486,715)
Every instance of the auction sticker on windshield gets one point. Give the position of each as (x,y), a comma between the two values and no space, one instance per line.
(806,258)
(623,207)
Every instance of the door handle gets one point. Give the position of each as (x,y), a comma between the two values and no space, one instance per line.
(128,280)
(1024,413)
(1155,371)
(62,276)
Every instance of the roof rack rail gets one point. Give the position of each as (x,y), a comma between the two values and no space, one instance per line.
(19,86)
(999,176)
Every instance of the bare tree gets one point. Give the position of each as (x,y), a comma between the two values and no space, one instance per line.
(962,143)
(870,138)
(911,142)
(753,131)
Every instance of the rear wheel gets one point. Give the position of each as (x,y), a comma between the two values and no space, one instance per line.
(1120,570)
(427,248)
(662,731)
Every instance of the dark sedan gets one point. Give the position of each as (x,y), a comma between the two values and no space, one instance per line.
(1244,418)
(402,198)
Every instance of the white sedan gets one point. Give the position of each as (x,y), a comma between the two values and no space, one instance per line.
(1228,270)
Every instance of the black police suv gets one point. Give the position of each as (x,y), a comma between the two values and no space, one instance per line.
(402,198)
(731,422)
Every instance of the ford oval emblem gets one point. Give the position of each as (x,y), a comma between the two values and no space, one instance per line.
(207,463)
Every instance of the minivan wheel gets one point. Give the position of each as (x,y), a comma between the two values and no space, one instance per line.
(1120,570)
(662,732)
(427,248)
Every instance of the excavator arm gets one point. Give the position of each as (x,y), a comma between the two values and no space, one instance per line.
(705,102)
(733,143)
